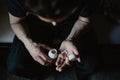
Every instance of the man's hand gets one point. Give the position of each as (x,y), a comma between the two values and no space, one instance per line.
(38,54)
(66,48)
(62,61)
(70,48)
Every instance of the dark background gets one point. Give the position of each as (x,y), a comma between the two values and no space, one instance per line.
(106,21)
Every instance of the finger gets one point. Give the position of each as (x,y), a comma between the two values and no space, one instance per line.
(45,63)
(62,66)
(62,59)
(40,60)
(58,61)
(45,58)
(67,61)
(78,59)
(75,51)
(46,47)
(64,63)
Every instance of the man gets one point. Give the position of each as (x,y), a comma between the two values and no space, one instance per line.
(41,25)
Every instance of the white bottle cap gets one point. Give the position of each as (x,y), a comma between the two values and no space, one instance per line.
(53,53)
(71,57)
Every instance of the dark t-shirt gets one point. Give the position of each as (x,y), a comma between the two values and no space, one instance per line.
(17,9)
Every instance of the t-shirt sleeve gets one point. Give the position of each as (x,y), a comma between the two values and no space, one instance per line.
(88,8)
(15,8)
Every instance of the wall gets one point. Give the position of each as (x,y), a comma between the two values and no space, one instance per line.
(107,23)
(6,35)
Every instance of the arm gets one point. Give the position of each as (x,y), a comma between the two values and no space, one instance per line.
(19,27)
(79,25)
(68,45)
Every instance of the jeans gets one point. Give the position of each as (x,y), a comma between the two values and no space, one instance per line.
(115,35)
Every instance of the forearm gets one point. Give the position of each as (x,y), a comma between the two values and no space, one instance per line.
(19,27)
(79,25)
(21,32)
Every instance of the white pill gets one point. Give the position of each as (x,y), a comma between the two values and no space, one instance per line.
(71,57)
(53,53)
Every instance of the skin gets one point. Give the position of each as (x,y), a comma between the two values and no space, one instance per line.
(36,49)
(69,46)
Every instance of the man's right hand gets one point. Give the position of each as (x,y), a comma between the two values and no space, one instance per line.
(38,54)
(21,31)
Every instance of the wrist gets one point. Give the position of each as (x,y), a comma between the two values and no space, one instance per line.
(69,39)
(83,19)
(28,41)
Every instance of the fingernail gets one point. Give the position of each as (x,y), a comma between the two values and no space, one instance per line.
(60,70)
(79,60)
(56,64)
(57,69)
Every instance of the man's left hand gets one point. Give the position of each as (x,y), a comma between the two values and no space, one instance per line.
(66,48)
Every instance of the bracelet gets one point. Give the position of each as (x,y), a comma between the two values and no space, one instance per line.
(65,51)
(83,19)
(68,40)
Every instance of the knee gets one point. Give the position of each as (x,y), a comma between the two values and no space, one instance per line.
(12,67)
(114,35)
(86,67)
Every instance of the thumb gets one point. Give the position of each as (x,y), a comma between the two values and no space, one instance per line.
(78,59)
